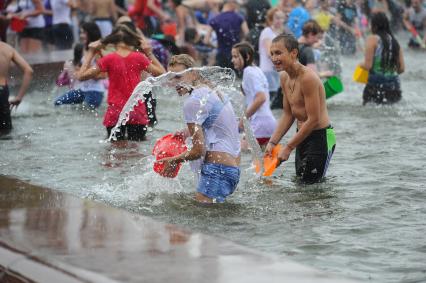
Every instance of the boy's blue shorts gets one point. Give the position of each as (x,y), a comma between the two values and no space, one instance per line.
(218,181)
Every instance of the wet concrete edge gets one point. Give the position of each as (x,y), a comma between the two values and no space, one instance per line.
(38,262)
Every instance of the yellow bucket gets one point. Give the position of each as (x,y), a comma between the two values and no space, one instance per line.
(360,75)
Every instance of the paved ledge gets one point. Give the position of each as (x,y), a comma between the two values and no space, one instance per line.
(48,236)
(47,66)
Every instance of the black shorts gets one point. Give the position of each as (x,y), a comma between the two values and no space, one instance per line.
(63,37)
(151,106)
(313,155)
(382,90)
(35,33)
(5,119)
(134,132)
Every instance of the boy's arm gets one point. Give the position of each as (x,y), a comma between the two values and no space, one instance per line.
(244,28)
(28,73)
(401,66)
(285,121)
(197,148)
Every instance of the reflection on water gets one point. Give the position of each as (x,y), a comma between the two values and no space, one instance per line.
(365,221)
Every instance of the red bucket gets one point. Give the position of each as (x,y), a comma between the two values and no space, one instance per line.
(17,24)
(168,146)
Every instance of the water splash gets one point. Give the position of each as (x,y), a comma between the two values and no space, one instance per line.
(330,55)
(220,80)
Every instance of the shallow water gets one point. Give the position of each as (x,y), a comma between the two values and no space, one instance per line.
(366,221)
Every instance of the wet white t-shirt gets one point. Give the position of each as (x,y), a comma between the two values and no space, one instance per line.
(217,118)
(33,22)
(262,122)
(61,12)
(265,62)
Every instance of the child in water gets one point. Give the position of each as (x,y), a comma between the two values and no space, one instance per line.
(256,91)
(213,127)
(384,60)
(91,92)
(124,68)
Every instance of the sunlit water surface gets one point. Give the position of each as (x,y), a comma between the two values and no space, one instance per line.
(366,221)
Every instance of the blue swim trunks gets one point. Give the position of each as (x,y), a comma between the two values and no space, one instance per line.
(218,181)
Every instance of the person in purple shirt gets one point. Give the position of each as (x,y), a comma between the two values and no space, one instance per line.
(228,26)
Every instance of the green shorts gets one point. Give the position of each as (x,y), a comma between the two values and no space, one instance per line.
(313,155)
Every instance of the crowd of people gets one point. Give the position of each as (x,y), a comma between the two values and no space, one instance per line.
(273,45)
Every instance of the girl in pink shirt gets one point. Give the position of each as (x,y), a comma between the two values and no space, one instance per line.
(132,56)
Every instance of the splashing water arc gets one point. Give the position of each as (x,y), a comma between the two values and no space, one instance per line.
(218,79)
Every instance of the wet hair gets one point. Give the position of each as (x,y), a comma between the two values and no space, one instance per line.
(93,32)
(182,59)
(289,41)
(78,54)
(311,26)
(122,33)
(246,51)
(391,48)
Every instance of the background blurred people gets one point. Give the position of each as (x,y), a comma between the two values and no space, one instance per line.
(32,36)
(275,25)
(384,60)
(415,17)
(104,14)
(255,89)
(9,56)
(297,17)
(229,26)
(61,23)
(346,20)
(4,22)
(124,67)
(91,91)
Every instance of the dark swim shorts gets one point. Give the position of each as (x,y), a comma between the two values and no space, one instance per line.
(5,119)
(313,155)
(382,90)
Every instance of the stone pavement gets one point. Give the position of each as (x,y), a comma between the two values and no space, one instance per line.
(48,236)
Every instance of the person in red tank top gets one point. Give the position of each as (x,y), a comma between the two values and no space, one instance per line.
(124,68)
(148,14)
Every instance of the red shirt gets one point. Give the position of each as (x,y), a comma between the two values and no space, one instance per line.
(148,12)
(140,10)
(124,75)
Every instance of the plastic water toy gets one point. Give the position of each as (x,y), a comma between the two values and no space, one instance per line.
(360,75)
(168,146)
(333,85)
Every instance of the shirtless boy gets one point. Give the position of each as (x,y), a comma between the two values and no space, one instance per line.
(304,101)
(7,56)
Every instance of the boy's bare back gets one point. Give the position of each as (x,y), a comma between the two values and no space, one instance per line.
(6,57)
